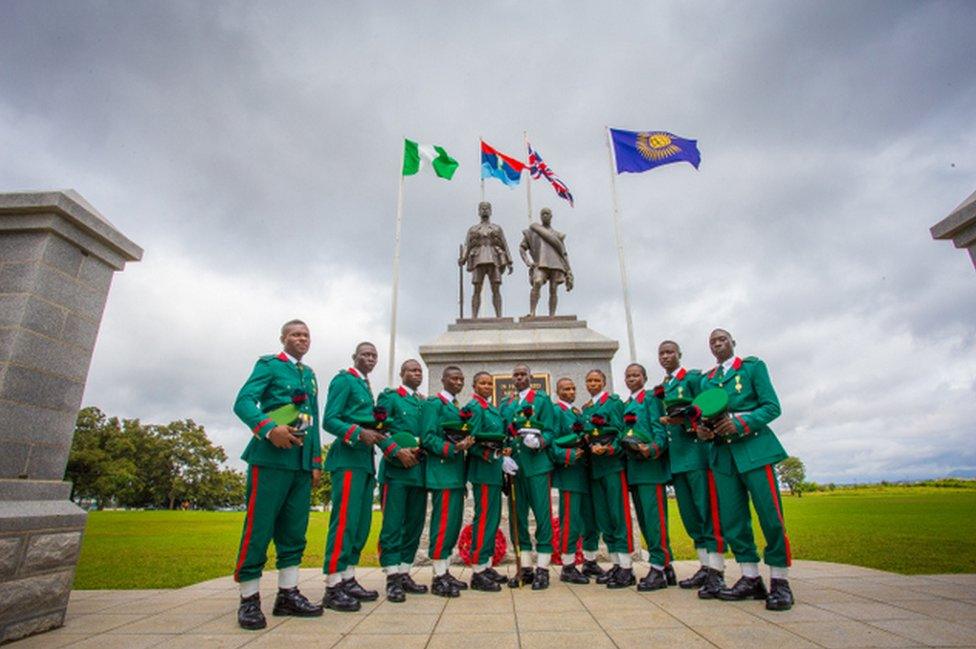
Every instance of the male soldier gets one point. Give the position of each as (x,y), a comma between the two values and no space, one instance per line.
(534,477)
(485,252)
(404,499)
(689,465)
(349,416)
(543,250)
(285,462)
(571,476)
(744,450)
(444,476)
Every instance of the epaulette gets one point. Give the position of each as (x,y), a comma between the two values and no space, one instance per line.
(751,359)
(267,357)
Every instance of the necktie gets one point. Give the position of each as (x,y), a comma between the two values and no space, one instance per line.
(720,373)
(455,402)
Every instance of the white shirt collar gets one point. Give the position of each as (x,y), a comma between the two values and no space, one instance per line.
(294,360)
(596,399)
(524,392)
(728,363)
(446,395)
(674,373)
(633,395)
(566,403)
(408,390)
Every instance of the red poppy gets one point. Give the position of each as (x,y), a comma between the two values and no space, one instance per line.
(659,391)
(465,414)
(379,414)
(577,427)
(527,412)
(630,418)
(598,420)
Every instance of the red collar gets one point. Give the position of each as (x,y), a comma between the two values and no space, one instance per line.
(563,405)
(282,356)
(681,374)
(355,372)
(640,396)
(481,401)
(530,397)
(603,399)
(736,364)
(402,391)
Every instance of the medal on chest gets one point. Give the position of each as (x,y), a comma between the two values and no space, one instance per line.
(738,383)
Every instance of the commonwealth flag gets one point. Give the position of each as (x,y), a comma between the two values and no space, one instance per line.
(639,151)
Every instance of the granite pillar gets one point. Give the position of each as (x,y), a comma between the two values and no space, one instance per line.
(57,259)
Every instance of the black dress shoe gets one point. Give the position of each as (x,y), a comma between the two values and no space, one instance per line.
(571,575)
(337,599)
(443,588)
(483,581)
(527,575)
(354,590)
(541,580)
(291,602)
(592,569)
(654,580)
(249,614)
(608,575)
(623,578)
(714,583)
(745,588)
(410,586)
(394,589)
(697,580)
(780,596)
(670,576)
(454,581)
(496,576)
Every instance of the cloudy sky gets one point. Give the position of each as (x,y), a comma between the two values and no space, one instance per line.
(253,150)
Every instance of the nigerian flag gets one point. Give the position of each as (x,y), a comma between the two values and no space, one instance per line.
(414,155)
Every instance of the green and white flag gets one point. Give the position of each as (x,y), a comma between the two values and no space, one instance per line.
(415,154)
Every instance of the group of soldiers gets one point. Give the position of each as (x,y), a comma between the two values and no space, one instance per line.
(605,457)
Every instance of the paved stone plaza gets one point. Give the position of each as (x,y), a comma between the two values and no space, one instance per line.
(840,607)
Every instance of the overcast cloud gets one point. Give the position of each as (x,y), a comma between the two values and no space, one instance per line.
(253,150)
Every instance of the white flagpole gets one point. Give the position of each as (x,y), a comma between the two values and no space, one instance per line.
(528,181)
(480,140)
(620,247)
(396,282)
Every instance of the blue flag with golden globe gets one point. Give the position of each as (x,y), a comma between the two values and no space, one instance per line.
(639,151)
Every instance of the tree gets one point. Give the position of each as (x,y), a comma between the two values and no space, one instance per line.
(322,494)
(792,473)
(101,464)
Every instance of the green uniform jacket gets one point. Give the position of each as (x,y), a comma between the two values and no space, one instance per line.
(752,404)
(445,464)
(348,404)
(612,408)
(402,416)
(656,468)
(275,382)
(532,461)
(483,466)
(686,451)
(569,474)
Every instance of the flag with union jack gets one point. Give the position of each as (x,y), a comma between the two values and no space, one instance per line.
(539,169)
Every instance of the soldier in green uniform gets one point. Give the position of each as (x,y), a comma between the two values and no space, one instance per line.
(485,476)
(534,478)
(349,417)
(689,465)
(444,477)
(282,465)
(608,481)
(744,450)
(402,493)
(648,472)
(571,476)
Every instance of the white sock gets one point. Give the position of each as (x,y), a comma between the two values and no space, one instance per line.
(440,567)
(625,560)
(776,572)
(250,587)
(288,577)
(481,567)
(391,570)
(405,568)
(613,558)
(589,555)
(750,570)
(702,556)
(569,559)
(542,561)
(716,561)
(333,579)
(657,567)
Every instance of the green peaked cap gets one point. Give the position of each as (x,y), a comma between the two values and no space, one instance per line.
(635,436)
(404,440)
(712,402)
(490,436)
(567,441)
(673,401)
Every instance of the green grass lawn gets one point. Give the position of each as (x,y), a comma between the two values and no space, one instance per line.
(911,530)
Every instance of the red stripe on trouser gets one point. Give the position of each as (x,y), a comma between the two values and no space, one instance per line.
(445,509)
(379,544)
(663,523)
(341,528)
(716,523)
(565,522)
(630,525)
(778,504)
(480,543)
(552,519)
(250,523)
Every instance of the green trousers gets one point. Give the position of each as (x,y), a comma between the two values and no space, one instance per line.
(735,521)
(484,526)
(277,509)
(571,524)
(351,517)
(611,503)
(446,513)
(651,503)
(533,494)
(590,531)
(691,490)
(404,509)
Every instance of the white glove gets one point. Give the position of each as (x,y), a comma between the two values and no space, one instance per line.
(509,465)
(532,441)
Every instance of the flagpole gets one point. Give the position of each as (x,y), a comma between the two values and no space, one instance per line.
(620,248)
(528,181)
(396,283)
(480,140)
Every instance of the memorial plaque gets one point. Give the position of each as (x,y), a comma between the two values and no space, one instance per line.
(504,386)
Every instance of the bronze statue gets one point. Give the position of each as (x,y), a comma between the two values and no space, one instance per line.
(543,250)
(485,252)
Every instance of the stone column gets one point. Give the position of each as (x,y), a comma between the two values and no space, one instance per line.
(57,259)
